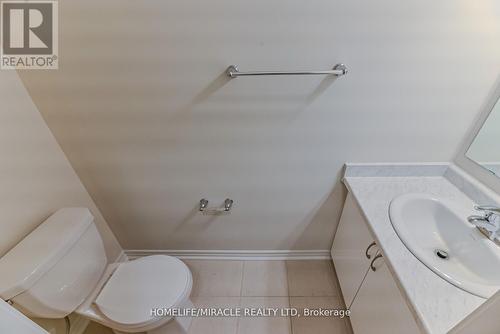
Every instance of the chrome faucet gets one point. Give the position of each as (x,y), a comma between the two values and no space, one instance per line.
(489,223)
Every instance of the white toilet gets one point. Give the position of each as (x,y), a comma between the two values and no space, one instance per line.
(61,268)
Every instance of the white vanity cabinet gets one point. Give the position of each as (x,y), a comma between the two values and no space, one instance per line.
(368,287)
(379,307)
(353,249)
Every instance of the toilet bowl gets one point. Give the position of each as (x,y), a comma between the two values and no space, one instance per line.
(128,292)
(61,268)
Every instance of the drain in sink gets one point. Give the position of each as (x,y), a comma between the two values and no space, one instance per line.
(442,254)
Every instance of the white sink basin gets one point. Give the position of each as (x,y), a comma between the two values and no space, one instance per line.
(466,259)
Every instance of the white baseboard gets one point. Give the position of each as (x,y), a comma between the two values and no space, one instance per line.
(234,254)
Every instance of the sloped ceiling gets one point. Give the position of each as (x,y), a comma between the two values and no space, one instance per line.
(144,112)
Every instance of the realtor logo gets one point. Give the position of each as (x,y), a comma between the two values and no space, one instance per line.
(29,35)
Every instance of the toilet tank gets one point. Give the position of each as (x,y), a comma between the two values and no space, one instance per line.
(53,269)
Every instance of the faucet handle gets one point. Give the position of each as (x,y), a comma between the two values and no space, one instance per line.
(494,220)
(487,208)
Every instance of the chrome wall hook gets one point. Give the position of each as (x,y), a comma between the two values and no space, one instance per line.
(228,204)
(203,204)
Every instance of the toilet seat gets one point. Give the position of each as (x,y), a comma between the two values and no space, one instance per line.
(136,287)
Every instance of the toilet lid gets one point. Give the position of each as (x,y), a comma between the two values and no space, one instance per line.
(157,281)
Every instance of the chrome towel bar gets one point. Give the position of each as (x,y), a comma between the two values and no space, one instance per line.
(338,70)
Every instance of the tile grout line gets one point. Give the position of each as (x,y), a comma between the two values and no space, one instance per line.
(241,295)
(288,293)
(336,293)
(242,275)
(340,297)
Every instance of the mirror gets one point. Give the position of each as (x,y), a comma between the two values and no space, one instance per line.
(485,148)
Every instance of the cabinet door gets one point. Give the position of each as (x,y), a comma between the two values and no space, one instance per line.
(348,252)
(379,307)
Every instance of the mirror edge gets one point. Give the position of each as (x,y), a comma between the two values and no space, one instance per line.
(462,160)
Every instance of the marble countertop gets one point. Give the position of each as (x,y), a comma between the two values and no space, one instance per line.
(437,304)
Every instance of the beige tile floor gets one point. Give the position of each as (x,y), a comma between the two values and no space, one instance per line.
(230,284)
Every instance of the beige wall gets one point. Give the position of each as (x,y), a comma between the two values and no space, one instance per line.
(142,109)
(36,179)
